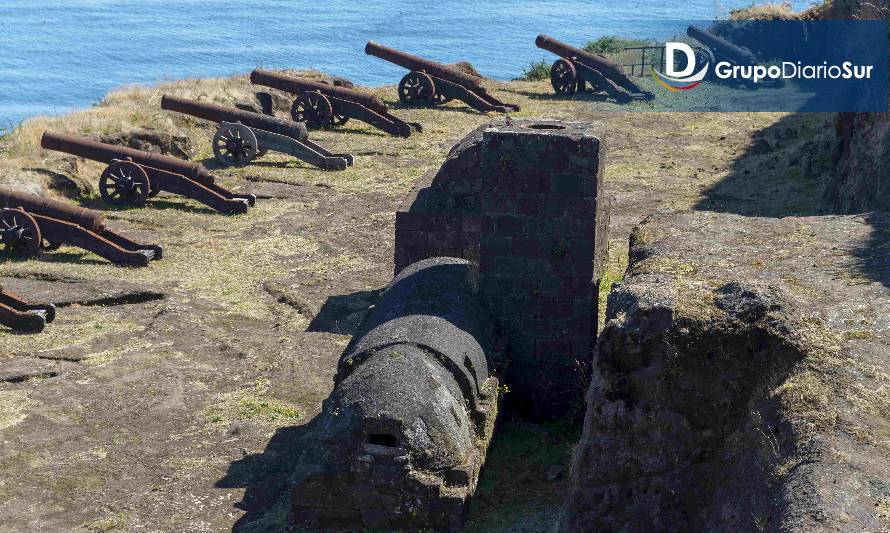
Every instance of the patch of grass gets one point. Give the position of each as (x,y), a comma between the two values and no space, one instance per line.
(114,522)
(536,71)
(514,492)
(251,404)
(769,11)
(614,271)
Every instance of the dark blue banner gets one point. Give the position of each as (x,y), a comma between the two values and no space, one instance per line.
(825,66)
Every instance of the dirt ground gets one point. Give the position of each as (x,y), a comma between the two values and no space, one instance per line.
(162,398)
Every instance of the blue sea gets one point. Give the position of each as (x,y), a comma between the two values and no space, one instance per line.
(59,55)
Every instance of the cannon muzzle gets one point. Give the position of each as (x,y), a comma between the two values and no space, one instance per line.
(412,62)
(106,153)
(297,85)
(89,219)
(218,113)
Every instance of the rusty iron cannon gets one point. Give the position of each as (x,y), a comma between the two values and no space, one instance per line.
(321,105)
(30,223)
(242,136)
(719,47)
(576,69)
(134,176)
(21,315)
(431,83)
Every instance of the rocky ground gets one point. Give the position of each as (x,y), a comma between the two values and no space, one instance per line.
(168,398)
(741,381)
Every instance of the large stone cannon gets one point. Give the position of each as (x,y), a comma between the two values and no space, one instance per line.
(134,176)
(243,136)
(578,68)
(321,105)
(431,83)
(400,442)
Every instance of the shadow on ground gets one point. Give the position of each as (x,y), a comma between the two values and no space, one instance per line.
(786,171)
(343,313)
(521,487)
(266,479)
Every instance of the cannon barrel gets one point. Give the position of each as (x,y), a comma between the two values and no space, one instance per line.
(218,113)
(594,61)
(105,153)
(297,85)
(89,219)
(721,45)
(412,62)
(413,405)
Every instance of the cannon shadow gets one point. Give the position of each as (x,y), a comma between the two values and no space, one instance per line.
(266,478)
(342,314)
(786,171)
(586,96)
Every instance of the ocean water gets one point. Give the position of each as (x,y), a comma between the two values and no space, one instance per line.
(58,55)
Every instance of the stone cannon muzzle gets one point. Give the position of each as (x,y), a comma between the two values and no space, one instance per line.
(402,438)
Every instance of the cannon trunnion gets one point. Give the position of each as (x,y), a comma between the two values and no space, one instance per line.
(21,315)
(578,68)
(320,105)
(243,136)
(134,176)
(30,223)
(400,441)
(430,83)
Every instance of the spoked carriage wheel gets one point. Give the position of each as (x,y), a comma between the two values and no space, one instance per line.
(235,145)
(19,233)
(314,109)
(417,89)
(563,77)
(125,183)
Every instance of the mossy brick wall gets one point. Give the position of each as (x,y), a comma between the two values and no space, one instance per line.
(521,199)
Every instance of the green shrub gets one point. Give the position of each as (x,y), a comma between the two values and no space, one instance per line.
(537,71)
(610,44)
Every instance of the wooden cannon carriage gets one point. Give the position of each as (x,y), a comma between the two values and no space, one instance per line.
(320,105)
(243,136)
(31,223)
(134,176)
(430,83)
(21,315)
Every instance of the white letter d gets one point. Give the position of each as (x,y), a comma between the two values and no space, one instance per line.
(669,49)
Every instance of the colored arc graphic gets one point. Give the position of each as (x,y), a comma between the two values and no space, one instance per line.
(677,84)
